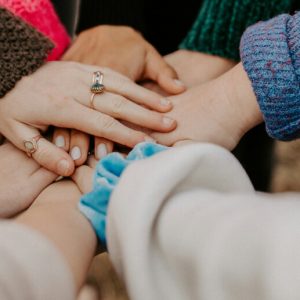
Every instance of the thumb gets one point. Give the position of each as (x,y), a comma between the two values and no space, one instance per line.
(158,70)
(46,154)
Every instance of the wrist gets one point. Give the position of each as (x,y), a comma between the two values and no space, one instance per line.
(241,99)
(55,195)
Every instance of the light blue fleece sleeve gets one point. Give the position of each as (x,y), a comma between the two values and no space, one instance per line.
(107,175)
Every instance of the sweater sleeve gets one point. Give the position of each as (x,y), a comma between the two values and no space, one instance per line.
(22,50)
(186,224)
(31,268)
(270,54)
(221,23)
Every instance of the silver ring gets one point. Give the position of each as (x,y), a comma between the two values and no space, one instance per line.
(97,87)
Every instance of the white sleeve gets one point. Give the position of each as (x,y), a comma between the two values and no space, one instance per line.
(30,266)
(187,224)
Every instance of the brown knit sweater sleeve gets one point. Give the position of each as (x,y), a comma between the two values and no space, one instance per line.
(22,50)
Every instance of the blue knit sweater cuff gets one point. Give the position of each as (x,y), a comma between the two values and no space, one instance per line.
(270,52)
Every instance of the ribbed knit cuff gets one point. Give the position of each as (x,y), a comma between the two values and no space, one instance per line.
(112,12)
(22,50)
(221,23)
(270,54)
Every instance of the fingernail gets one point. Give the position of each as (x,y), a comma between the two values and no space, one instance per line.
(165,102)
(60,141)
(63,167)
(75,153)
(168,121)
(101,151)
(178,82)
(149,139)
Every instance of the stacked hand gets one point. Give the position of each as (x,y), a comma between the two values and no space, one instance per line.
(59,94)
(220,111)
(195,68)
(124,50)
(22,180)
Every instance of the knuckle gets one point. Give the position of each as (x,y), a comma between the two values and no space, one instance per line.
(167,71)
(106,123)
(118,104)
(44,157)
(120,84)
(59,102)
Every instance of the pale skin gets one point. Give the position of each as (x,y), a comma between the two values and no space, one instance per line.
(58,94)
(220,111)
(22,180)
(55,215)
(195,68)
(124,50)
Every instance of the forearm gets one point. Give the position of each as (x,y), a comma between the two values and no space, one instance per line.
(56,216)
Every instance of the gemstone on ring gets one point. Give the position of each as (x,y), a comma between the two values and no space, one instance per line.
(97,88)
(29,145)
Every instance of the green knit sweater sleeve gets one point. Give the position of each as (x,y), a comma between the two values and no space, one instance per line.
(221,23)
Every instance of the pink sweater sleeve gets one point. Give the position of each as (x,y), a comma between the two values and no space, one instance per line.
(41,15)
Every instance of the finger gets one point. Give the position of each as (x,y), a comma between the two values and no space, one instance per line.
(119,84)
(61,138)
(79,147)
(123,109)
(95,123)
(42,178)
(47,154)
(102,147)
(167,139)
(83,177)
(153,86)
(158,70)
(92,162)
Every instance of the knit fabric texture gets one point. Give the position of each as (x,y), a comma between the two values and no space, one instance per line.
(221,23)
(270,53)
(22,50)
(42,16)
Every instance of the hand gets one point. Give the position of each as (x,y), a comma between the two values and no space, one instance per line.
(22,180)
(126,51)
(194,68)
(220,111)
(58,94)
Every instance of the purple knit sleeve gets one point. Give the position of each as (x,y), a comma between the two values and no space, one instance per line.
(270,52)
